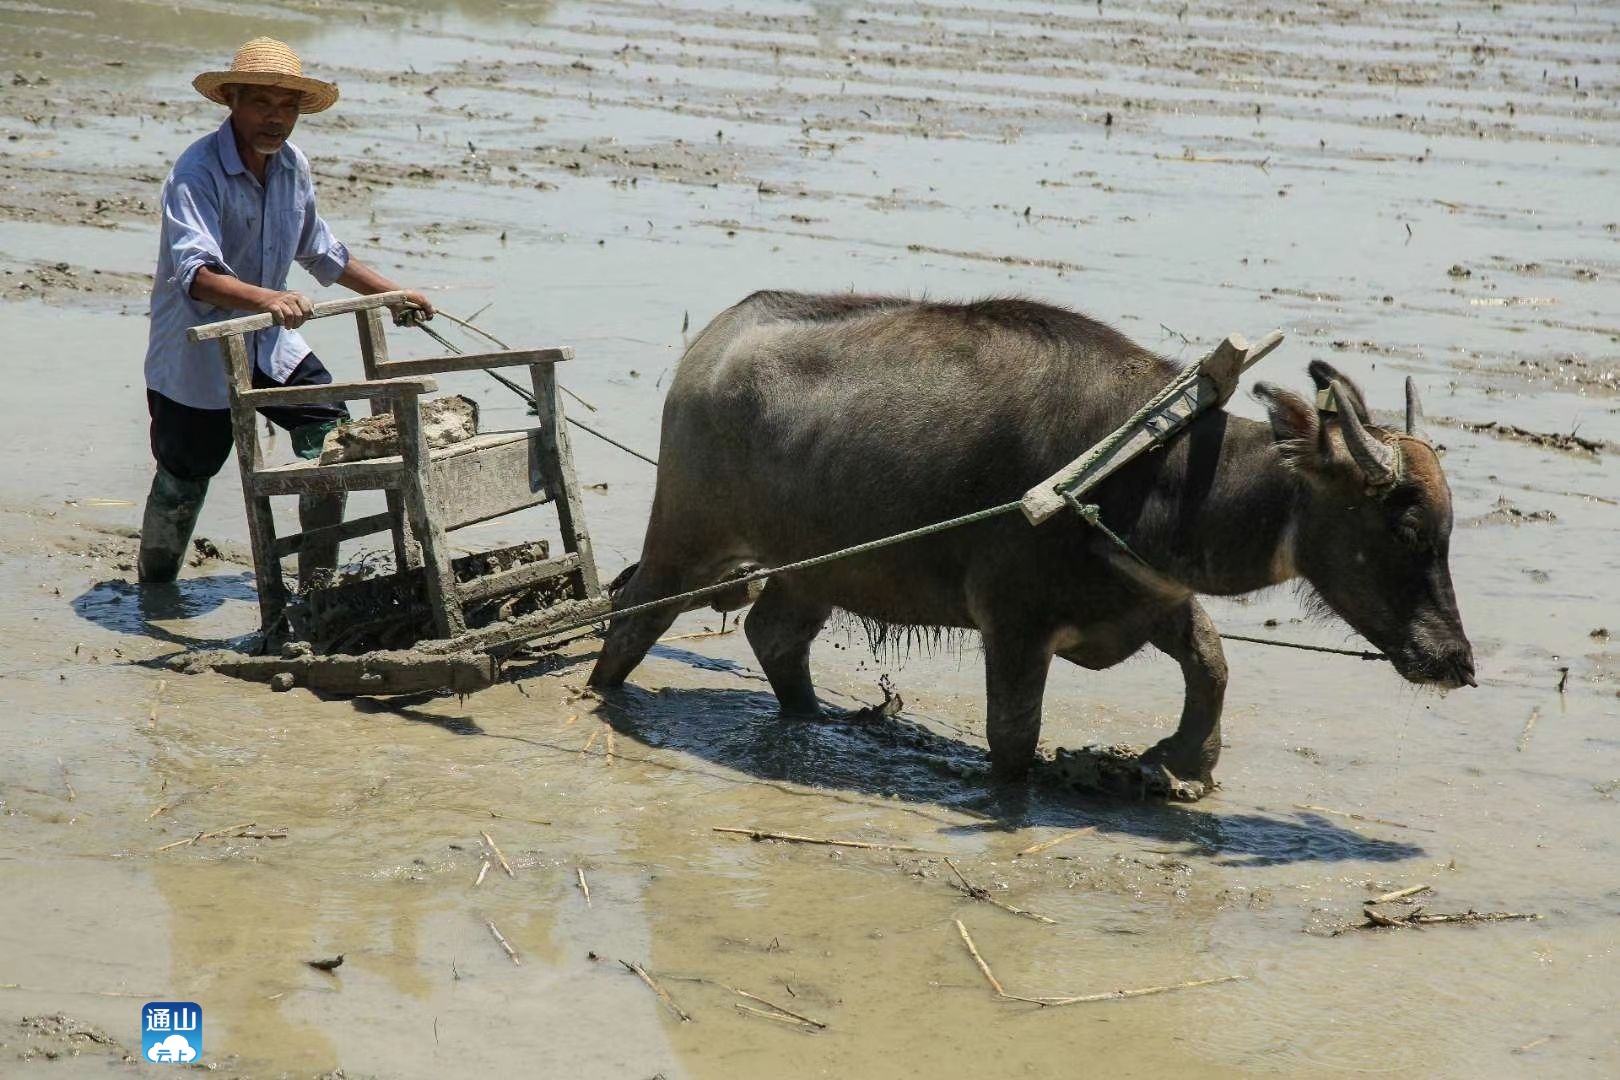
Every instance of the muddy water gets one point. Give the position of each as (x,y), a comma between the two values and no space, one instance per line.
(603,173)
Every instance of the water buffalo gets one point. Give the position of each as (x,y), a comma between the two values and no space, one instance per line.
(797,424)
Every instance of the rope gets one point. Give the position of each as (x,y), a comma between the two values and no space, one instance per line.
(524,394)
(761,575)
(1360,655)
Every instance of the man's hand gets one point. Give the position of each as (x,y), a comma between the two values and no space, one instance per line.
(289,309)
(416,309)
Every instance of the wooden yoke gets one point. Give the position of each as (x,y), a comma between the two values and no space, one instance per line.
(1208,384)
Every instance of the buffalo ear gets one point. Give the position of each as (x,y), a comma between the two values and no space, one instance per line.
(1325,375)
(1293,419)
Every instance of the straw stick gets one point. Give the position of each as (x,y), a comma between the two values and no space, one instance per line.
(590,742)
(1353,816)
(756,834)
(207,835)
(151,714)
(482,870)
(771,1004)
(1036,849)
(1529,726)
(801,1025)
(1399,894)
(981,893)
(496,848)
(984,968)
(610,746)
(1377,919)
(73,796)
(583,886)
(1081,999)
(504,944)
(663,995)
(1146,991)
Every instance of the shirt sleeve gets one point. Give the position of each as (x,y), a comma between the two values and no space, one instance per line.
(319,252)
(191,229)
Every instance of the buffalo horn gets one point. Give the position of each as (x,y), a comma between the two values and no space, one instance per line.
(1376,458)
(1414,409)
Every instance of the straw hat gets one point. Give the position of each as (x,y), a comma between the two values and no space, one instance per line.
(267,62)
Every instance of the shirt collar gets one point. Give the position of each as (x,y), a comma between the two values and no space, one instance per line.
(231,159)
(225,137)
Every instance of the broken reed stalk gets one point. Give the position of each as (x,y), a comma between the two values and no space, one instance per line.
(1399,894)
(583,886)
(504,944)
(978,892)
(590,742)
(151,714)
(756,834)
(1146,991)
(984,968)
(1529,726)
(207,835)
(73,796)
(158,811)
(1081,999)
(482,870)
(751,997)
(780,1019)
(800,1017)
(1378,920)
(496,848)
(663,995)
(697,635)
(1036,849)
(609,742)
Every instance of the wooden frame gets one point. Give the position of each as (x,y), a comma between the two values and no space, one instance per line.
(429,491)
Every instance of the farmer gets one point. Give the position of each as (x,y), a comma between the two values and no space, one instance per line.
(238,208)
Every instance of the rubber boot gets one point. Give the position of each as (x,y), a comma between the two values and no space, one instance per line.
(171,513)
(319,560)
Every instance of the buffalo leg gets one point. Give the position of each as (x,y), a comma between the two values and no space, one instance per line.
(1015,667)
(781,627)
(629,637)
(1189,637)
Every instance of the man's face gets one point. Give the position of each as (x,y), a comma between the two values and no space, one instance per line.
(264,116)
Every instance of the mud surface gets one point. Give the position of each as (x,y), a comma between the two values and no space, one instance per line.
(1422,190)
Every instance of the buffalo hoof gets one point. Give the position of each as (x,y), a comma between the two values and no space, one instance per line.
(1184,764)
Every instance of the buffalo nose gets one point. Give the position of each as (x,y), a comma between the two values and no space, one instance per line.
(1462,667)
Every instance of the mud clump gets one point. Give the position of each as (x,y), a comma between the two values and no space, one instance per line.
(445,421)
(52,1036)
(1506,513)
(368,607)
(1569,444)
(1117,771)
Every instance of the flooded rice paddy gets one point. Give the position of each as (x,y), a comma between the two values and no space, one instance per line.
(1422,190)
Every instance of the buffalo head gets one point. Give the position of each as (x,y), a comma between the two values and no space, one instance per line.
(1372,531)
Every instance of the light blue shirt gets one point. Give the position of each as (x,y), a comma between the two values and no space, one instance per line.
(217,214)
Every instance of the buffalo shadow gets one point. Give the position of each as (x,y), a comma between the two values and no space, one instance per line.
(894,757)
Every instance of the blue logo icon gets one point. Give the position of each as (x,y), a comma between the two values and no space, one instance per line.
(171,1031)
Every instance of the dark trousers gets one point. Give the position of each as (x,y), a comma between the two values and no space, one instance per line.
(192,444)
